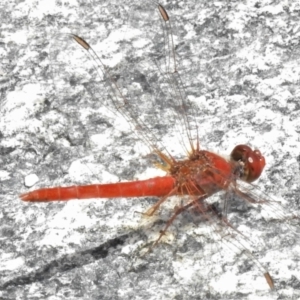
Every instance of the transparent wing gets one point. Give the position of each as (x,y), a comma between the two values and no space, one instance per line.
(221,240)
(270,209)
(146,91)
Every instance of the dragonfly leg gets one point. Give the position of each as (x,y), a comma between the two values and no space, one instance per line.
(150,212)
(197,202)
(177,212)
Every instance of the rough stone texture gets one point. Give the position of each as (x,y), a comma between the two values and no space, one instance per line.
(239,62)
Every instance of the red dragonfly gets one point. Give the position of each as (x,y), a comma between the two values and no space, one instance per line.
(199,176)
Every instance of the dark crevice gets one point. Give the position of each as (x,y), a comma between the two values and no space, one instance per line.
(66,263)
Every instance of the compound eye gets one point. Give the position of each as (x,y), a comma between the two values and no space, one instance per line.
(253,162)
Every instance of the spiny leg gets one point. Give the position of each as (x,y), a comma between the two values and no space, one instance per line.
(178,211)
(155,207)
(170,221)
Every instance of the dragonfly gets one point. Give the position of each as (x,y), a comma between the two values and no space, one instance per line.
(198,176)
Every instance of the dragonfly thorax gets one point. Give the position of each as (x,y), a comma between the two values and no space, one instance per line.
(207,173)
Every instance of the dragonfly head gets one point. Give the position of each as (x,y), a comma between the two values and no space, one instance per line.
(250,162)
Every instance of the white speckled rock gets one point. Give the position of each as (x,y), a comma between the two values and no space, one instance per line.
(239,63)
